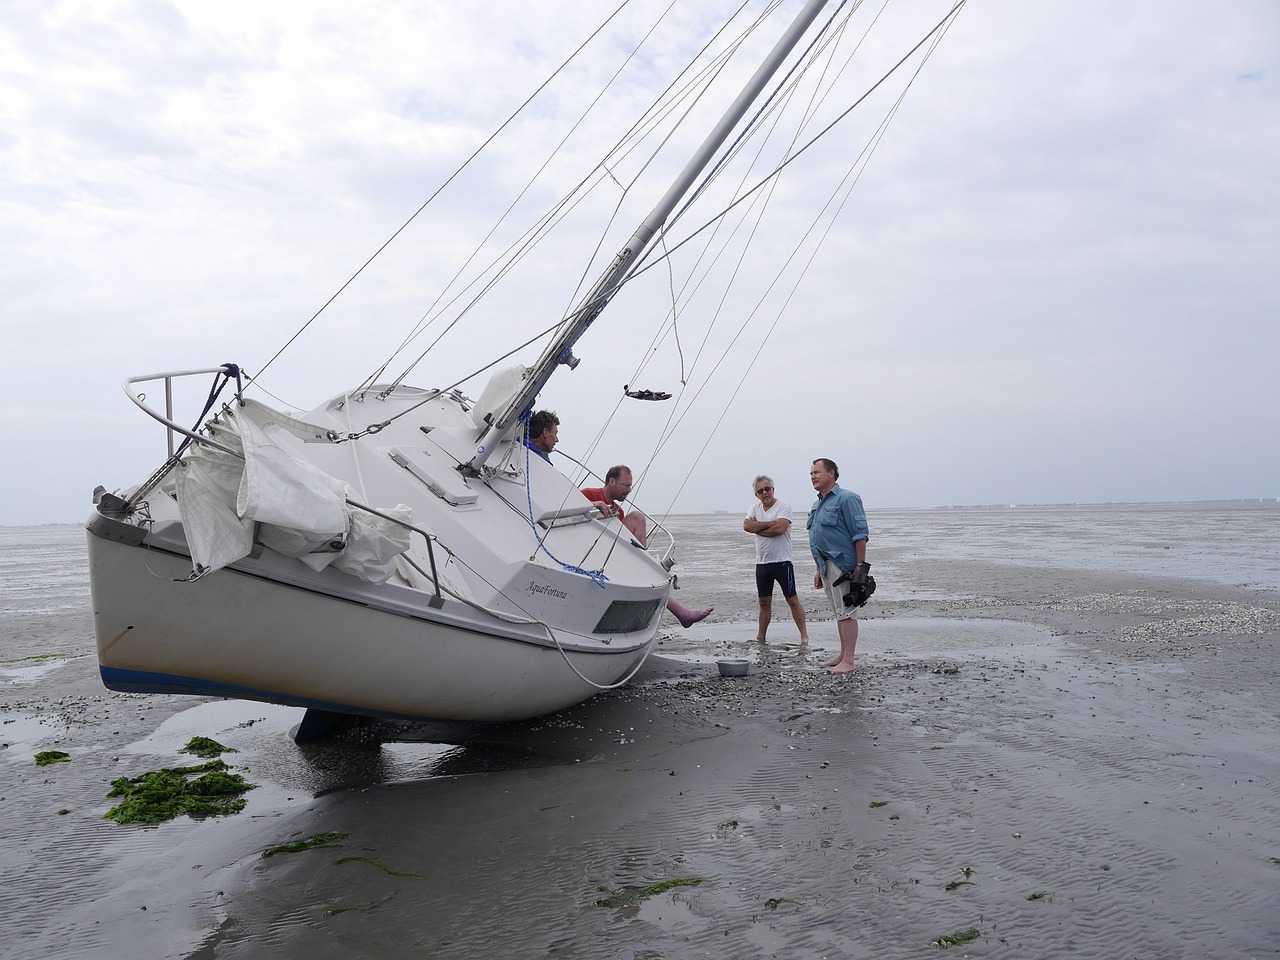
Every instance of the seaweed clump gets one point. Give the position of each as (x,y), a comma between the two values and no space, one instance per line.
(383,867)
(204,747)
(634,897)
(958,938)
(204,790)
(46,757)
(317,841)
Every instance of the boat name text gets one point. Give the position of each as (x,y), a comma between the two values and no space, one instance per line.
(542,588)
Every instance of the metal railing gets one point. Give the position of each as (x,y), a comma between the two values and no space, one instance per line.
(167,417)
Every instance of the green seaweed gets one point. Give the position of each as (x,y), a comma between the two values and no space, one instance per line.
(879,803)
(387,870)
(959,937)
(46,757)
(204,790)
(634,897)
(1038,895)
(957,884)
(774,902)
(319,841)
(204,747)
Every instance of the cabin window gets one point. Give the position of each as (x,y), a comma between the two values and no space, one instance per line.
(628,616)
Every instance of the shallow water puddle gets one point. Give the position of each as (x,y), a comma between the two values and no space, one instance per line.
(20,736)
(215,719)
(668,911)
(32,670)
(415,761)
(923,637)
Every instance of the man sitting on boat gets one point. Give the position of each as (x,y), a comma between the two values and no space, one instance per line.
(617,487)
(544,433)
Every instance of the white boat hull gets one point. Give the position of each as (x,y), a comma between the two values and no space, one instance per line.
(321,651)
(517,633)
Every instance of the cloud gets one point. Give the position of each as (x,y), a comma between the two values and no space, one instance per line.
(1054,280)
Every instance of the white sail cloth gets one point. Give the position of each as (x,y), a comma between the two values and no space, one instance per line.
(301,511)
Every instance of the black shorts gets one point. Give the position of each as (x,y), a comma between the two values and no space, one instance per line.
(781,572)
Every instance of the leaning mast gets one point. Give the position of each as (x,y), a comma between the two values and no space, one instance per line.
(560,350)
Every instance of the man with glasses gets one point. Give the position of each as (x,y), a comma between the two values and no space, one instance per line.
(770,520)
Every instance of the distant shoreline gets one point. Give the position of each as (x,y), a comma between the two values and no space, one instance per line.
(1258,501)
(1104,503)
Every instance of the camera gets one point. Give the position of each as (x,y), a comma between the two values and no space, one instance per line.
(861,585)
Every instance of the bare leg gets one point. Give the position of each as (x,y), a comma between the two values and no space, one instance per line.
(638,524)
(797,614)
(686,616)
(848,640)
(766,614)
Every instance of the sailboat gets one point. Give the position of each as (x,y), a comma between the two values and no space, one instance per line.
(396,551)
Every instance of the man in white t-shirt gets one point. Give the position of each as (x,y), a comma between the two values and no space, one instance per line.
(770,520)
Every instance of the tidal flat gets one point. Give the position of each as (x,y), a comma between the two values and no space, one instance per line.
(1041,753)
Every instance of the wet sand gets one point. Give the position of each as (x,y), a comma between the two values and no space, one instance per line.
(1072,764)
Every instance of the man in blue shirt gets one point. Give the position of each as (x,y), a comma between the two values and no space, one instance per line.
(838,537)
(544,433)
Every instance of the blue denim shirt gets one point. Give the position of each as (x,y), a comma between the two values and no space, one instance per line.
(836,522)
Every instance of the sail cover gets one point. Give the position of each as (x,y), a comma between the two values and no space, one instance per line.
(298,510)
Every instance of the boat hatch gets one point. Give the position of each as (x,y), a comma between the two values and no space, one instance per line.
(441,478)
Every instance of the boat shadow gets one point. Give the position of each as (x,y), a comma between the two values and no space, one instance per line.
(625,721)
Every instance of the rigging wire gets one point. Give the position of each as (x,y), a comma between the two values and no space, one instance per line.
(675,418)
(537,230)
(667,252)
(932,37)
(703,80)
(691,286)
(520,109)
(851,180)
(944,22)
(517,250)
(664,104)
(789,84)
(751,124)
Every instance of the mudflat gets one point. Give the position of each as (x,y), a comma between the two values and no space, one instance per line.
(1066,762)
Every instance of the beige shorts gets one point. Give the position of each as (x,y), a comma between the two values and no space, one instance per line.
(836,595)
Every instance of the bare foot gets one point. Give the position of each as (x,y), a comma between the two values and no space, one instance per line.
(804,641)
(842,667)
(761,640)
(833,661)
(693,616)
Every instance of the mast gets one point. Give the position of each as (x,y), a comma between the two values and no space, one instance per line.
(560,350)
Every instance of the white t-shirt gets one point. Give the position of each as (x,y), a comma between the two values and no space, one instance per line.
(772,549)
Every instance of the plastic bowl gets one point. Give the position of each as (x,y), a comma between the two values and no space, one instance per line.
(733,668)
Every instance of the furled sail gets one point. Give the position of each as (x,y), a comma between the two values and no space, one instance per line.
(298,510)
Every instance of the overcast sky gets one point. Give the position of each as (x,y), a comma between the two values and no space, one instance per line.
(1058,279)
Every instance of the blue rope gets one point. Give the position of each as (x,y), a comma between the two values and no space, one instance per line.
(597,577)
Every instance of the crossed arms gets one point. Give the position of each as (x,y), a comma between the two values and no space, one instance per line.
(766,528)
